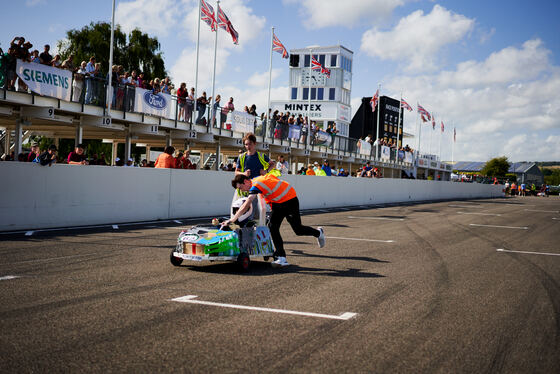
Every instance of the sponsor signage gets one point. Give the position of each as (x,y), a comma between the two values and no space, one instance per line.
(328,111)
(241,121)
(45,80)
(385,153)
(156,104)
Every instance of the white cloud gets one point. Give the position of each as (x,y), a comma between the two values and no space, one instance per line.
(417,38)
(261,79)
(153,17)
(515,109)
(32,3)
(326,13)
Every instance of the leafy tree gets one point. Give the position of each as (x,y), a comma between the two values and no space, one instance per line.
(496,167)
(138,51)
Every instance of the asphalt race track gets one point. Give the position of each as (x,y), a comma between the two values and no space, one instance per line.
(448,287)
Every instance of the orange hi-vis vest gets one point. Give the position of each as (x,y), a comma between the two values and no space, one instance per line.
(274,190)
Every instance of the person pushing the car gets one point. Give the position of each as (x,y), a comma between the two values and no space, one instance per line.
(281,197)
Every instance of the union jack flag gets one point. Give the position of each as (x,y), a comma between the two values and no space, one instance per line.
(225,23)
(424,119)
(424,112)
(374,100)
(405,105)
(208,15)
(279,47)
(442,126)
(316,65)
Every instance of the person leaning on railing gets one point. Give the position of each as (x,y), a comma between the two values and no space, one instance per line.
(166,159)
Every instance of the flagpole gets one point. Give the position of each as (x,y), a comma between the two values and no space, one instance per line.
(432,132)
(440,136)
(419,127)
(309,100)
(196,68)
(377,125)
(452,148)
(399,125)
(109,95)
(214,73)
(269,85)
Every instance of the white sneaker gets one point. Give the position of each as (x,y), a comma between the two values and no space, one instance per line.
(321,238)
(280,262)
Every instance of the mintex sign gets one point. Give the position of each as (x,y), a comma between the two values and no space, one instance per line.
(316,110)
(45,80)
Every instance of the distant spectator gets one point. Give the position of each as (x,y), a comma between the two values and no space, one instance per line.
(49,156)
(182,94)
(183,161)
(201,104)
(77,157)
(166,159)
(45,57)
(309,170)
(90,73)
(367,171)
(33,154)
(282,165)
(144,163)
(35,57)
(215,109)
(78,83)
(68,64)
(326,168)
(129,163)
(342,173)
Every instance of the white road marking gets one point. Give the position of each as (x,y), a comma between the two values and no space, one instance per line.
(189,299)
(177,221)
(529,253)
(481,214)
(381,218)
(542,211)
(115,227)
(29,233)
(555,218)
(365,240)
(8,277)
(501,227)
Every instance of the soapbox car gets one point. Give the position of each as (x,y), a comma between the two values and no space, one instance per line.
(241,242)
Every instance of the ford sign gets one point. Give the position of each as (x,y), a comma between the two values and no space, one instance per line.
(155,101)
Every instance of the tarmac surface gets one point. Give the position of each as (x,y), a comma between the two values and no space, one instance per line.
(461,286)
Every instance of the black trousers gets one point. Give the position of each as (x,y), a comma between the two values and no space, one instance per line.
(289,210)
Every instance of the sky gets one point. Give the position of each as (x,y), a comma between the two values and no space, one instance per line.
(490,69)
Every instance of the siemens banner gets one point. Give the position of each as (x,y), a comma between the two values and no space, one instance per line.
(45,80)
(160,104)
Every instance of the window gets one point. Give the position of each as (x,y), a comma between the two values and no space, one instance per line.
(322,59)
(320,93)
(350,66)
(306,61)
(386,127)
(313,93)
(294,93)
(333,60)
(331,93)
(305,93)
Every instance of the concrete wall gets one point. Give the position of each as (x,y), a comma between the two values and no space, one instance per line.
(36,196)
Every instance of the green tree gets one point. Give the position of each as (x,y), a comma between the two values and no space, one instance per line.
(496,167)
(138,51)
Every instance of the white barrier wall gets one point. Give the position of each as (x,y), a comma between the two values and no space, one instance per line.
(37,196)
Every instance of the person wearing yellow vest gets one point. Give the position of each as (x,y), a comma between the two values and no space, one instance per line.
(251,163)
(282,198)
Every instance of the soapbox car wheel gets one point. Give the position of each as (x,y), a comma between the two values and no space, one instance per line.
(243,261)
(174,260)
(266,258)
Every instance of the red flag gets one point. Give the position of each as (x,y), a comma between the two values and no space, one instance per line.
(423,118)
(225,23)
(442,126)
(279,47)
(208,15)
(374,100)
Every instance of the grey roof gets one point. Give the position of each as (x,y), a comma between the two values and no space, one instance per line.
(515,167)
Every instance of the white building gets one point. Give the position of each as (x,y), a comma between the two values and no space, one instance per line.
(330,97)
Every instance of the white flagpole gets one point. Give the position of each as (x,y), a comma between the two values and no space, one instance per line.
(268,124)
(452,147)
(419,127)
(309,100)
(432,133)
(196,68)
(440,136)
(214,73)
(109,95)
(399,125)
(377,125)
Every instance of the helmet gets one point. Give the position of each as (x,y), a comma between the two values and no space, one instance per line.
(235,207)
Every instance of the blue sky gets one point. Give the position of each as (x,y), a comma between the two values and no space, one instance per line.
(489,68)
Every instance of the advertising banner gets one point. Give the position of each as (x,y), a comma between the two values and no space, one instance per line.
(45,80)
(323,138)
(156,104)
(364,148)
(401,155)
(385,153)
(408,157)
(241,121)
(295,132)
